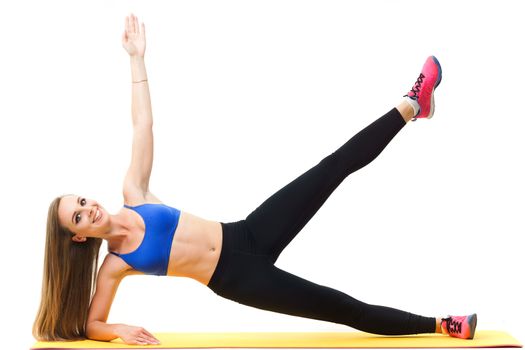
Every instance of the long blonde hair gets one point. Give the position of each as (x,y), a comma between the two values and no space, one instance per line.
(70,272)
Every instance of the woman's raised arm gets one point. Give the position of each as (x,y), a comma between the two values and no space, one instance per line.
(136,182)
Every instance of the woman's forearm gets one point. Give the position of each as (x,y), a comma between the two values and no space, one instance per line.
(140,99)
(97,330)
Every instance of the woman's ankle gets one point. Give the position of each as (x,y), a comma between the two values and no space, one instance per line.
(406,110)
(438,325)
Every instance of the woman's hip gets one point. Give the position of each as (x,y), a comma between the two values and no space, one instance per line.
(239,259)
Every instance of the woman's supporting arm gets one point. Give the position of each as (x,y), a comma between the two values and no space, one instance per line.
(109,277)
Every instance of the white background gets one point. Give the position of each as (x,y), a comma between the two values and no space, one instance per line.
(246,96)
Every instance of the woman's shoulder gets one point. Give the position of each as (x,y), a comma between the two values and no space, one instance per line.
(115,267)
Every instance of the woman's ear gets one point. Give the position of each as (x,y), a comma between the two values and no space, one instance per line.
(79,239)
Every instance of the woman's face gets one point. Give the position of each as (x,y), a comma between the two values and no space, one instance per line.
(83,216)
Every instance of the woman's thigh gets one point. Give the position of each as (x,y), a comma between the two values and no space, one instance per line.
(253,280)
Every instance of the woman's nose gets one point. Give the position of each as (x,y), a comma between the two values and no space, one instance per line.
(91,212)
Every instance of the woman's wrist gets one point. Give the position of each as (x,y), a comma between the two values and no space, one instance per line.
(136,58)
(116,329)
(138,69)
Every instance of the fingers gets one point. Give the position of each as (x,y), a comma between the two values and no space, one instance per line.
(147,337)
(151,336)
(144,341)
(137,336)
(132,24)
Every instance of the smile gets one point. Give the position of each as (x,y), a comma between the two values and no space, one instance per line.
(98,215)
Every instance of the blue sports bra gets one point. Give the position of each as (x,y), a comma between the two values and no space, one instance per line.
(153,254)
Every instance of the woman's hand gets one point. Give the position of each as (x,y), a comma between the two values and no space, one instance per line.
(134,38)
(136,335)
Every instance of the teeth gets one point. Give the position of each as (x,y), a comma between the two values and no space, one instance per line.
(97,216)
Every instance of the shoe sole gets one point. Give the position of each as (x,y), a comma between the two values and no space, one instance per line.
(472,322)
(438,81)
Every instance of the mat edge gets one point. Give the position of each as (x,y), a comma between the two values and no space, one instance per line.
(513,346)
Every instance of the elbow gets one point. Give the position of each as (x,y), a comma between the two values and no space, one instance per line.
(98,330)
(91,330)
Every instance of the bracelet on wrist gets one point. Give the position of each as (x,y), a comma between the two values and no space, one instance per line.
(140,81)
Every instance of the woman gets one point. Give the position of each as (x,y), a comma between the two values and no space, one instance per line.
(235,260)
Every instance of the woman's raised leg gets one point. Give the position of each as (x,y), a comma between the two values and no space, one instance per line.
(278,219)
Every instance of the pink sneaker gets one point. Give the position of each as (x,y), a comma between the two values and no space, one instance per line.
(423,90)
(460,326)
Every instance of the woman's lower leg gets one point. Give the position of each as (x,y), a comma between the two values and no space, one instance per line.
(388,321)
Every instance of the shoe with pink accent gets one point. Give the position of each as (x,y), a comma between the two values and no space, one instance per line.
(460,326)
(423,90)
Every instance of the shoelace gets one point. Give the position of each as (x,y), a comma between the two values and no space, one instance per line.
(453,326)
(416,89)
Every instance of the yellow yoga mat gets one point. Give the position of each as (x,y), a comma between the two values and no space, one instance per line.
(297,340)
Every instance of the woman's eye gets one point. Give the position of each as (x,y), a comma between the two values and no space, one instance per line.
(82,203)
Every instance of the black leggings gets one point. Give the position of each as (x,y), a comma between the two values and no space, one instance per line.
(246,272)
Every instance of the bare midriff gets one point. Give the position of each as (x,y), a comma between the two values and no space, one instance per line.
(196,248)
